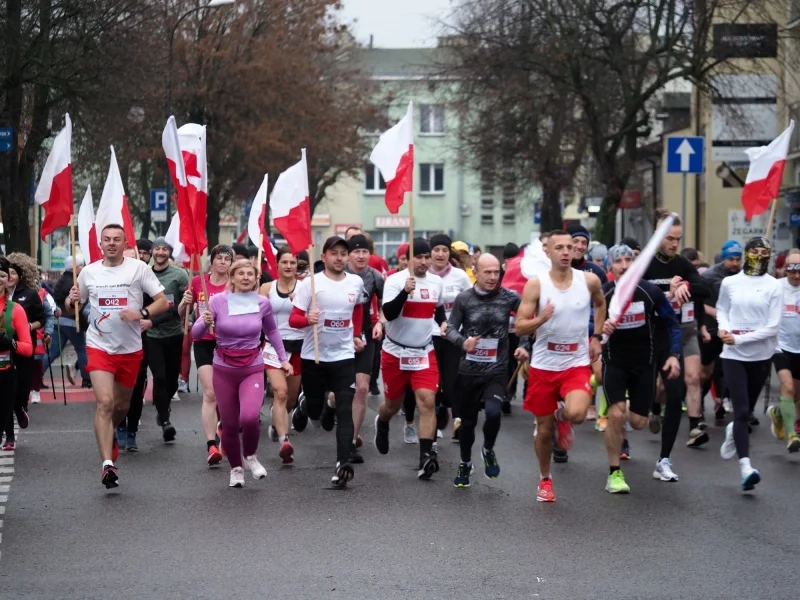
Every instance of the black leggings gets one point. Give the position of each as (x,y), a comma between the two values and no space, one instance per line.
(164,360)
(8,383)
(338,377)
(131,422)
(23,369)
(675,392)
(745,380)
(474,392)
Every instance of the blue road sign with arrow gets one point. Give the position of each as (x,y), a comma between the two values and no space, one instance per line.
(686,155)
(6,139)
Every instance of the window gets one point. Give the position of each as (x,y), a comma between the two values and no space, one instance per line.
(509,219)
(509,195)
(373,180)
(431,179)
(487,219)
(431,118)
(487,204)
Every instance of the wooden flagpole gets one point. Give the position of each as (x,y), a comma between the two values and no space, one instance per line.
(314,301)
(771,218)
(74,270)
(260,252)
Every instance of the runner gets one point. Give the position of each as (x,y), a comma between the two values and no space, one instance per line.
(687,291)
(358,260)
(165,336)
(411,299)
(338,321)
(114,289)
(239,317)
(629,367)
(285,388)
(749,314)
(730,264)
(221,258)
(562,352)
(462,259)
(787,361)
(478,328)
(15,343)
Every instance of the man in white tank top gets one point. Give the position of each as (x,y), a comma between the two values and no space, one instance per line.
(562,351)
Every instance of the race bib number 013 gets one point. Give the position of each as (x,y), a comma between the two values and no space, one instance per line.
(412,359)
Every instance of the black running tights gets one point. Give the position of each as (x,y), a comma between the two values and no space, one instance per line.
(745,380)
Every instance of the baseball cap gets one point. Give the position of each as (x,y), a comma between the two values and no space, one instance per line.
(333,241)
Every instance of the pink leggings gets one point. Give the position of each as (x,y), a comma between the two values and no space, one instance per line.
(240,393)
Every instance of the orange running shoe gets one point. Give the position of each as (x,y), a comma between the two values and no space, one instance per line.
(545,493)
(214,456)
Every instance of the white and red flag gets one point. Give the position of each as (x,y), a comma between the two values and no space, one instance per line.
(394,157)
(291,206)
(87,230)
(113,208)
(192,138)
(54,192)
(256,227)
(765,174)
(173,239)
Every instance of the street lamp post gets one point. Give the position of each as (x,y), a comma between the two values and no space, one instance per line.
(211,4)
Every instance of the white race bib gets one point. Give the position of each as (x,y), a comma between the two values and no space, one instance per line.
(485,351)
(413,359)
(271,356)
(335,322)
(112,300)
(687,312)
(634,317)
(562,347)
(170,299)
(5,358)
(242,303)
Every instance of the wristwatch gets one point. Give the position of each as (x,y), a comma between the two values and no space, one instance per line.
(598,337)
(145,313)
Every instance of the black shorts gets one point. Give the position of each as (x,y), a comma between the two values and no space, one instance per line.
(365,359)
(204,352)
(711,351)
(787,360)
(635,384)
(319,379)
(472,391)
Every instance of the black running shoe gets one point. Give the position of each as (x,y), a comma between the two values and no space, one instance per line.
(355,458)
(328,418)
(168,431)
(299,416)
(110,478)
(753,420)
(344,473)
(381,436)
(560,456)
(719,415)
(428,465)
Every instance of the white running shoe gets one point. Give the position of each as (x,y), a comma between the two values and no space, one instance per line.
(750,477)
(237,477)
(256,468)
(439,434)
(35,397)
(728,448)
(664,471)
(727,405)
(410,434)
(183,387)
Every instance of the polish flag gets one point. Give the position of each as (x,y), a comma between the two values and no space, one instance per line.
(113,208)
(256,227)
(87,230)
(192,138)
(291,206)
(170,141)
(394,157)
(765,174)
(173,239)
(54,192)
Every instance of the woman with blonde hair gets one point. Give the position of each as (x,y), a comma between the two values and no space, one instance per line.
(239,316)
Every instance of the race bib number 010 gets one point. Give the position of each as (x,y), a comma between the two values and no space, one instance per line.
(412,359)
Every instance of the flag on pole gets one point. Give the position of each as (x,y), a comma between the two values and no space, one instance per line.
(54,192)
(113,208)
(627,284)
(256,227)
(192,138)
(394,157)
(87,230)
(533,262)
(765,173)
(179,254)
(291,206)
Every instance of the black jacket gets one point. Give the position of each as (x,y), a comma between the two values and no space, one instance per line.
(29,300)
(60,293)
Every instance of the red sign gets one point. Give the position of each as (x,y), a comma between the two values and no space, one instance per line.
(630,199)
(341,228)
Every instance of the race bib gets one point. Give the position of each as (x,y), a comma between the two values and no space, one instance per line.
(485,351)
(242,303)
(448,306)
(790,310)
(5,358)
(512,324)
(634,317)
(743,327)
(562,347)
(676,306)
(112,300)
(170,299)
(336,322)
(271,356)
(687,312)
(413,359)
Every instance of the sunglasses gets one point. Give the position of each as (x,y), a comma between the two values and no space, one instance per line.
(793,267)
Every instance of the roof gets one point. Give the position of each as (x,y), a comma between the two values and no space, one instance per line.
(400,63)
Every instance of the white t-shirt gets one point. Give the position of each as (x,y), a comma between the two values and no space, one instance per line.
(789,334)
(750,307)
(455,282)
(335,301)
(109,290)
(412,328)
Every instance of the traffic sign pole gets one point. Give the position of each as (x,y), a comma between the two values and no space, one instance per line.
(683,213)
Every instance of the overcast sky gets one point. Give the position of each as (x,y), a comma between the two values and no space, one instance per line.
(396,23)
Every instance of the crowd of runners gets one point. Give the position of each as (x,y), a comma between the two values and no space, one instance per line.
(440,333)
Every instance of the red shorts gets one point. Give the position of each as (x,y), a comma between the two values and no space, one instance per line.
(294,360)
(395,381)
(124,367)
(546,388)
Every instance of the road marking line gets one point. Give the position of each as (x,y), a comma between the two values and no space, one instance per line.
(4,488)
(4,498)
(6,479)
(7,460)
(8,470)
